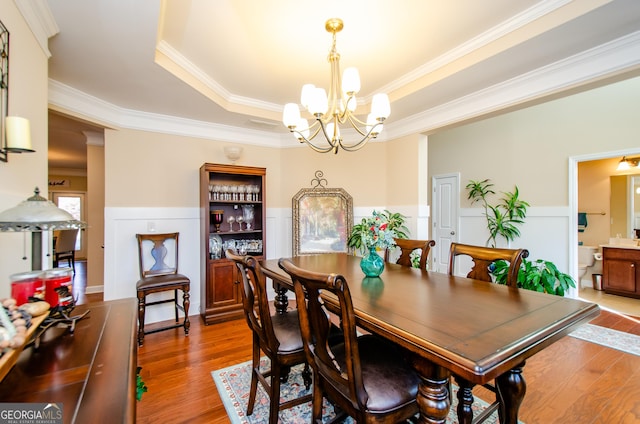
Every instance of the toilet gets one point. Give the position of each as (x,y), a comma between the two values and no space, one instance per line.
(586,262)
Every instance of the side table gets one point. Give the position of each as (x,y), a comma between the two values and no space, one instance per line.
(90,372)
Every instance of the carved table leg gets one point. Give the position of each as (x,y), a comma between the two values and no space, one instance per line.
(465,400)
(511,389)
(433,392)
(281,301)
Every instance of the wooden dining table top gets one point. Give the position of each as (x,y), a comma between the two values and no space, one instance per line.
(475,329)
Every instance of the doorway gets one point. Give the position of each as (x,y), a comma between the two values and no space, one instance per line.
(74,203)
(446,204)
(591,182)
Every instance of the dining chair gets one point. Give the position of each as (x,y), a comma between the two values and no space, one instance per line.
(275,334)
(366,377)
(156,276)
(407,247)
(482,258)
(65,248)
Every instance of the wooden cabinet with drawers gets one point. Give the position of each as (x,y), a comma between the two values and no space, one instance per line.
(232,214)
(620,271)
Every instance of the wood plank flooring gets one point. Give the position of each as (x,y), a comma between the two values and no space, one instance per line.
(572,381)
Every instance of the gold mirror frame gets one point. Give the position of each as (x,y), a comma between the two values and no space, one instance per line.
(322,220)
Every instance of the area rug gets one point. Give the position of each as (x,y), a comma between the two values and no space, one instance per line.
(614,339)
(233,385)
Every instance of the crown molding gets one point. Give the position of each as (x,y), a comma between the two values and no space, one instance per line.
(93,109)
(613,58)
(607,60)
(40,21)
(504,28)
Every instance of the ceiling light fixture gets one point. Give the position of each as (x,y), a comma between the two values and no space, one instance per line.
(627,163)
(335,109)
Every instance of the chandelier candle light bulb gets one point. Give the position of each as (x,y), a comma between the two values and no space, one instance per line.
(335,109)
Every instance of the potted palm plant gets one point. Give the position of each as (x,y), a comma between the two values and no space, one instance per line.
(504,217)
(503,220)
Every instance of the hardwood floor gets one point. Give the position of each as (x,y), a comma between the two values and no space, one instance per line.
(572,381)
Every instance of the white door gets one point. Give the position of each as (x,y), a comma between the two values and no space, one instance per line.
(445,203)
(74,204)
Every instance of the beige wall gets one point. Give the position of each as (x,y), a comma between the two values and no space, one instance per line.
(23,172)
(531,147)
(362,174)
(159,170)
(95,212)
(146,169)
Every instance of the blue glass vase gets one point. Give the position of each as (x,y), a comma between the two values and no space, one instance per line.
(372,264)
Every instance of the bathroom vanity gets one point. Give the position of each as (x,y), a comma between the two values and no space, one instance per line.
(620,269)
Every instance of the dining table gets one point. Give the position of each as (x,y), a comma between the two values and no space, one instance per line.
(474,330)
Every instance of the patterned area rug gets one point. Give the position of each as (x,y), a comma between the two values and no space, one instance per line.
(614,339)
(233,386)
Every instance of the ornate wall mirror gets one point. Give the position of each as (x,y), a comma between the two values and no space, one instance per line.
(322,219)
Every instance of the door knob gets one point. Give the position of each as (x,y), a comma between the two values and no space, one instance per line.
(453,233)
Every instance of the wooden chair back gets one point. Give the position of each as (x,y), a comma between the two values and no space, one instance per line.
(277,336)
(483,257)
(255,300)
(315,326)
(407,246)
(158,254)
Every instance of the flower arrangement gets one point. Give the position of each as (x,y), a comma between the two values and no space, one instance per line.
(378,231)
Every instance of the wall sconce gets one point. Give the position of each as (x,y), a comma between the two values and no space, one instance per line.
(17,137)
(233,153)
(627,163)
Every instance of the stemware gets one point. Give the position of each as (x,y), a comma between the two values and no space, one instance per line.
(239,220)
(231,220)
(218,216)
(234,192)
(241,191)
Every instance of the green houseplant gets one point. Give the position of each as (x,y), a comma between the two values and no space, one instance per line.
(504,217)
(140,386)
(373,233)
(377,231)
(540,275)
(503,220)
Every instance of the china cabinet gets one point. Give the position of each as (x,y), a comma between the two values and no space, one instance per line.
(232,214)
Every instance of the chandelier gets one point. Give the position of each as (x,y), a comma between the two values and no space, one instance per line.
(336,109)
